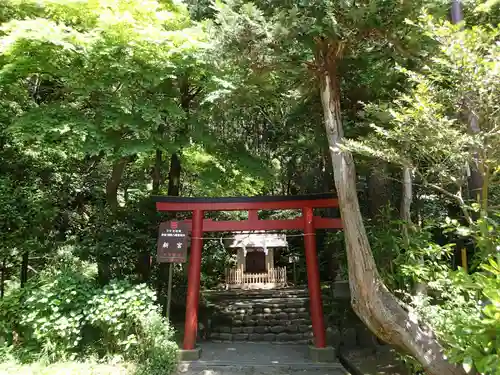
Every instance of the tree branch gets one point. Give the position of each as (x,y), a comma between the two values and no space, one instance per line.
(457,197)
(395,43)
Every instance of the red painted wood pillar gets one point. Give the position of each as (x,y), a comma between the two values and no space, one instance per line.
(194,273)
(313,280)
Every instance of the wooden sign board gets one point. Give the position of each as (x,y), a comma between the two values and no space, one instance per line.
(172,242)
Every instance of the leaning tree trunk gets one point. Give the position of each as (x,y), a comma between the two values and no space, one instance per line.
(377,307)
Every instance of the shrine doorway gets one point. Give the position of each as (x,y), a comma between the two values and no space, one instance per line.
(255,261)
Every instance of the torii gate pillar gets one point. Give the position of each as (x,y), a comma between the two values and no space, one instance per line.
(313,279)
(194,274)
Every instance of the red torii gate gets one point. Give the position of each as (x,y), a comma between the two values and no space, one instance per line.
(307,222)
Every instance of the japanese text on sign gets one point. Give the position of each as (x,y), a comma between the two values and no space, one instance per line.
(172,242)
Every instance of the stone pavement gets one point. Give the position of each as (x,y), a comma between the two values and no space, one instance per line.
(239,358)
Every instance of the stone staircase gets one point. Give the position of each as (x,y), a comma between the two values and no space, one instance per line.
(278,315)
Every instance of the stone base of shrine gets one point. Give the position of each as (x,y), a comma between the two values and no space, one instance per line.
(322,354)
(236,278)
(190,355)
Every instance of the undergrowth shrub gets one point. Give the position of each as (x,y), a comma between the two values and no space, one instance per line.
(157,351)
(116,312)
(62,314)
(463,309)
(465,315)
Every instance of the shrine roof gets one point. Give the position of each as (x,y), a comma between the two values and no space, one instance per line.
(257,239)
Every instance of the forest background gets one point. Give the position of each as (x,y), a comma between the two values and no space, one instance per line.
(106,103)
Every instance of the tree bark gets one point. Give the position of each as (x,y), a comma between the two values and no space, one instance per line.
(376,306)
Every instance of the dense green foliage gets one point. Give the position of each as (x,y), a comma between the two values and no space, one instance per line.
(62,314)
(471,329)
(105,103)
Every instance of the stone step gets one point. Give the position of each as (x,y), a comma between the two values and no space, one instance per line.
(261,319)
(289,328)
(271,320)
(261,293)
(256,358)
(276,303)
(266,311)
(285,337)
(262,306)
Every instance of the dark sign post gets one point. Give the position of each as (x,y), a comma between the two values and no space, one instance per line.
(172,248)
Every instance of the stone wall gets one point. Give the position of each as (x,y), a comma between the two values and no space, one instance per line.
(283,316)
(344,328)
(265,316)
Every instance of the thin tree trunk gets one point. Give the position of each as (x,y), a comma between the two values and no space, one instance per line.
(112,186)
(379,309)
(407,227)
(174,175)
(24,268)
(157,172)
(406,202)
(405,209)
(144,257)
(379,189)
(475,178)
(2,278)
(174,179)
(188,94)
(114,181)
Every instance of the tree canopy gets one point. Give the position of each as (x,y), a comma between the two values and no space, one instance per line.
(389,105)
